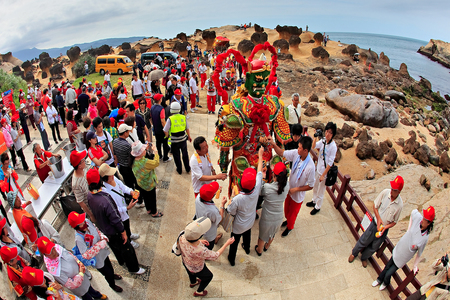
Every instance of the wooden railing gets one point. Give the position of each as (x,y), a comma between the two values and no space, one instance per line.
(344,197)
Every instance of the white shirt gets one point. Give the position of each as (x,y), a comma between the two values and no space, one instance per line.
(107,77)
(137,87)
(212,91)
(293,119)
(330,154)
(413,241)
(197,171)
(71,95)
(193,86)
(50,111)
(389,210)
(306,178)
(202,69)
(120,200)
(188,47)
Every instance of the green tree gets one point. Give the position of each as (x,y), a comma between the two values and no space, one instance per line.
(78,68)
(11,81)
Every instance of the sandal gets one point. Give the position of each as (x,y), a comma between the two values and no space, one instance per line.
(196,294)
(117,277)
(158,215)
(264,248)
(259,254)
(195,284)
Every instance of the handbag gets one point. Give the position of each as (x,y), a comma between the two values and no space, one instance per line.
(332,172)
(176,246)
(227,221)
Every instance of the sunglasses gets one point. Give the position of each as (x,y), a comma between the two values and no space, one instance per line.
(142,103)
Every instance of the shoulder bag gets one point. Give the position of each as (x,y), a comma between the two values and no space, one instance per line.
(332,172)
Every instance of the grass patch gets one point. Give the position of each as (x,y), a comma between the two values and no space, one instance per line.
(126,78)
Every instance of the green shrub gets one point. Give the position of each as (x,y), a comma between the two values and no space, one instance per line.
(78,68)
(11,81)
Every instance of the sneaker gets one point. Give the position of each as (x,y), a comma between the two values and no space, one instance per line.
(167,160)
(375,283)
(134,244)
(213,112)
(284,224)
(134,236)
(140,205)
(310,204)
(382,287)
(140,272)
(195,108)
(286,232)
(192,110)
(187,117)
(314,211)
(199,106)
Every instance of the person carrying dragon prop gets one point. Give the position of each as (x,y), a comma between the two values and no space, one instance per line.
(251,116)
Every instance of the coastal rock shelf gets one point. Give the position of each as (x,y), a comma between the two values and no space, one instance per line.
(438,51)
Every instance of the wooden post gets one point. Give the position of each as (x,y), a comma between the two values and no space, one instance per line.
(402,287)
(342,191)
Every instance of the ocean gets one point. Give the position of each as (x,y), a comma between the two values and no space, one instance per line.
(401,50)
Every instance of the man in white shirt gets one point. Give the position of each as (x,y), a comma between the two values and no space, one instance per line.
(71,96)
(300,180)
(137,86)
(53,121)
(201,166)
(295,110)
(327,152)
(202,68)
(193,91)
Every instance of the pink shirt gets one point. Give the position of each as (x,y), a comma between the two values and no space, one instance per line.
(92,110)
(194,256)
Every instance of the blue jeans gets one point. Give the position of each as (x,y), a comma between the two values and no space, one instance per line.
(388,271)
(44,138)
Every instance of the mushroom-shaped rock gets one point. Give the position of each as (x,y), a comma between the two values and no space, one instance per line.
(350,50)
(365,109)
(346,63)
(209,36)
(282,44)
(45,63)
(74,53)
(320,52)
(102,50)
(26,64)
(29,77)
(131,53)
(125,46)
(318,39)
(43,55)
(259,38)
(294,41)
(181,48)
(245,47)
(258,28)
(44,75)
(56,69)
(182,36)
(197,31)
(285,32)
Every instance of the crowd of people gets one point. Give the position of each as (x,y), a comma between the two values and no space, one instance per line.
(126,137)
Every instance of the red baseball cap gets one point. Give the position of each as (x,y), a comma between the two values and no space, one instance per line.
(173,71)
(397,183)
(248,179)
(183,79)
(2,224)
(32,276)
(99,93)
(45,246)
(105,82)
(76,219)
(93,176)
(36,104)
(429,213)
(177,92)
(7,254)
(2,121)
(28,228)
(14,118)
(158,97)
(76,157)
(207,191)
(279,167)
(20,90)
(121,112)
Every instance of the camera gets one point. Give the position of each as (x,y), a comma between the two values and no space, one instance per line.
(318,133)
(444,260)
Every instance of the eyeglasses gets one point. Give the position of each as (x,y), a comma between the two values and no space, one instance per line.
(142,103)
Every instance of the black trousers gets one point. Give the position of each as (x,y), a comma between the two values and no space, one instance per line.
(12,150)
(129,179)
(124,252)
(388,271)
(26,132)
(31,117)
(62,113)
(237,238)
(161,140)
(22,157)
(126,224)
(180,149)
(149,199)
(205,275)
(55,127)
(108,272)
(91,294)
(211,244)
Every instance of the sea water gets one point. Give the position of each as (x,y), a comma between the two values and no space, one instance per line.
(401,50)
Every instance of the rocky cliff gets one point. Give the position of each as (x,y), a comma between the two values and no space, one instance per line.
(438,51)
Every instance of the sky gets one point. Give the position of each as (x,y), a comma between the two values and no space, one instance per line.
(49,23)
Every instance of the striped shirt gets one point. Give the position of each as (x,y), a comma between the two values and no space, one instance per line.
(80,188)
(122,150)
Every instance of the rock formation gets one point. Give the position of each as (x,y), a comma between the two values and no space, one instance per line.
(294,41)
(105,49)
(125,46)
(259,38)
(320,52)
(181,48)
(131,53)
(258,28)
(56,69)
(182,36)
(209,36)
(74,53)
(437,50)
(384,60)
(285,32)
(350,50)
(318,39)
(282,44)
(245,47)
(365,109)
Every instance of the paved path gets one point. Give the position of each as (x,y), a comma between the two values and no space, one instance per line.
(311,263)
